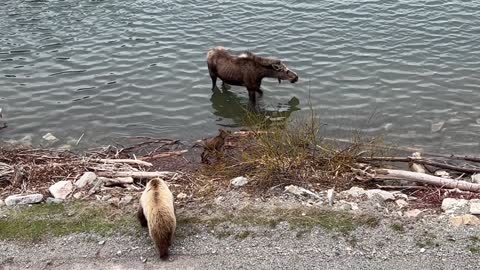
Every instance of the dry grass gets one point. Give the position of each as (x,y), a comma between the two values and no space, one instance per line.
(291,151)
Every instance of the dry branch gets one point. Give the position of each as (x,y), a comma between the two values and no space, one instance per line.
(127,161)
(136,174)
(431,180)
(421,161)
(121,181)
(162,155)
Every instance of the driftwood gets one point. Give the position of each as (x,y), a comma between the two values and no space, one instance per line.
(121,181)
(167,154)
(421,161)
(125,161)
(429,179)
(136,174)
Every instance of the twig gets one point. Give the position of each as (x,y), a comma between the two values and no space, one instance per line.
(127,161)
(136,174)
(79,139)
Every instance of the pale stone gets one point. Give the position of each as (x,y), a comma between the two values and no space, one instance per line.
(86,179)
(23,199)
(465,220)
(451,205)
(385,195)
(61,189)
(239,181)
(126,200)
(401,203)
(353,192)
(331,196)
(413,213)
(181,196)
(51,200)
(300,191)
(475,208)
(476,178)
(114,201)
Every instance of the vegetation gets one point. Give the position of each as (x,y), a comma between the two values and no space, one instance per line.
(297,218)
(37,221)
(291,151)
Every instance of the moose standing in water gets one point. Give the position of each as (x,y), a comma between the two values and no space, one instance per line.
(246,69)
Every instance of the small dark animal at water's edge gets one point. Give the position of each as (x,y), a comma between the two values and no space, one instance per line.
(214,145)
(246,69)
(4,124)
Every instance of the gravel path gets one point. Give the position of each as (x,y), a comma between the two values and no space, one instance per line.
(430,243)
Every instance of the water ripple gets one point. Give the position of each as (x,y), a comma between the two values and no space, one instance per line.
(109,69)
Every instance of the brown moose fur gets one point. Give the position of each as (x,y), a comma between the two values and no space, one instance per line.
(246,69)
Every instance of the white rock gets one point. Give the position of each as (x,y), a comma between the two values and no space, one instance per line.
(475,208)
(23,199)
(476,178)
(126,200)
(115,201)
(300,191)
(181,196)
(51,200)
(101,242)
(1,203)
(384,195)
(239,181)
(78,195)
(119,252)
(86,179)
(401,203)
(353,192)
(450,205)
(422,250)
(106,197)
(50,138)
(331,196)
(61,189)
(413,213)
(465,220)
(218,200)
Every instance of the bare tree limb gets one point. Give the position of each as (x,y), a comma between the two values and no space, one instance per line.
(127,161)
(136,174)
(431,180)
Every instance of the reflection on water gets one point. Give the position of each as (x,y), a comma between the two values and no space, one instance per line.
(109,69)
(239,109)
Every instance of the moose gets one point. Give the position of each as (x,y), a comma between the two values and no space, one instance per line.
(246,69)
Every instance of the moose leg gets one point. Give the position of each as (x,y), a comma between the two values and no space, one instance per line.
(225,86)
(213,74)
(214,81)
(252,96)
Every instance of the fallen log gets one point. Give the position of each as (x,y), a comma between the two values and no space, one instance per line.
(120,181)
(136,174)
(429,179)
(421,161)
(126,161)
(162,155)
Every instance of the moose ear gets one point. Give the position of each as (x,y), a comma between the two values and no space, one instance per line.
(277,67)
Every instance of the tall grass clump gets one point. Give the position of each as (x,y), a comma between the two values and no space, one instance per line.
(293,151)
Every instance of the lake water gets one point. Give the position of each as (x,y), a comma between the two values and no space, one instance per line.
(107,69)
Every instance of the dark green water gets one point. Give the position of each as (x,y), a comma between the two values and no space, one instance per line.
(126,68)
